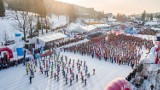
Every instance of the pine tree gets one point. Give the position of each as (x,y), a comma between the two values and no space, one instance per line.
(158,16)
(151,17)
(2,9)
(144,16)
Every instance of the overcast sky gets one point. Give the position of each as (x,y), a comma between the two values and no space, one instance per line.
(120,6)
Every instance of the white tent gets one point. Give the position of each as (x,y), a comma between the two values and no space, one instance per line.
(51,37)
(88,28)
(94,27)
(101,25)
(151,23)
(156,29)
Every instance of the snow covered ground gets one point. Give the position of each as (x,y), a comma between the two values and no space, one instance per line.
(57,21)
(6,26)
(16,79)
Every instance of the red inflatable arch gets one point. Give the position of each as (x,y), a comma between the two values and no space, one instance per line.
(118,84)
(10,53)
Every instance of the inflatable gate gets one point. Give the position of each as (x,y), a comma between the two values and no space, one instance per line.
(10,53)
(118,84)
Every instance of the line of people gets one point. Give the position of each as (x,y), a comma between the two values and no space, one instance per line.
(5,65)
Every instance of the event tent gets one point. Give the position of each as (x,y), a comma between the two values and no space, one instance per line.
(151,23)
(88,28)
(94,27)
(101,25)
(51,37)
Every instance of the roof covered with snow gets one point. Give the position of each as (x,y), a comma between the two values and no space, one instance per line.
(52,37)
(88,27)
(101,25)
(151,23)
(94,26)
(157,29)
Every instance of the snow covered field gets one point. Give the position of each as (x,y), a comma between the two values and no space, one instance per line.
(16,79)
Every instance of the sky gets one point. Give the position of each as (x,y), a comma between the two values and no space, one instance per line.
(127,7)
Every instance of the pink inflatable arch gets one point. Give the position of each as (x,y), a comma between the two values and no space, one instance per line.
(10,53)
(118,84)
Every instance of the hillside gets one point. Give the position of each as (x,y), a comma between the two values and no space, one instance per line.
(56,7)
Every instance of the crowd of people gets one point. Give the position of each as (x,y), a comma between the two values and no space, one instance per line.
(148,32)
(5,65)
(62,43)
(121,49)
(60,67)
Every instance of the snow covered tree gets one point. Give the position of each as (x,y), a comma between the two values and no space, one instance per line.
(22,22)
(23,18)
(2,9)
(151,17)
(71,13)
(30,21)
(121,17)
(157,16)
(6,37)
(38,26)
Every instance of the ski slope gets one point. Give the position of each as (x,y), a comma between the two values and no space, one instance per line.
(16,79)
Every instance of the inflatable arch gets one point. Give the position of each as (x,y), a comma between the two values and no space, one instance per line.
(118,84)
(10,53)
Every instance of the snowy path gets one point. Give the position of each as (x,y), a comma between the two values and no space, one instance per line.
(16,79)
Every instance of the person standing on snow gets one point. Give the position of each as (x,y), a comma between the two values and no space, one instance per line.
(152,87)
(30,78)
(32,73)
(86,70)
(84,65)
(47,71)
(41,69)
(77,78)
(24,57)
(66,80)
(51,74)
(82,78)
(73,75)
(54,76)
(70,81)
(57,78)
(27,70)
(93,71)
(34,68)
(85,81)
